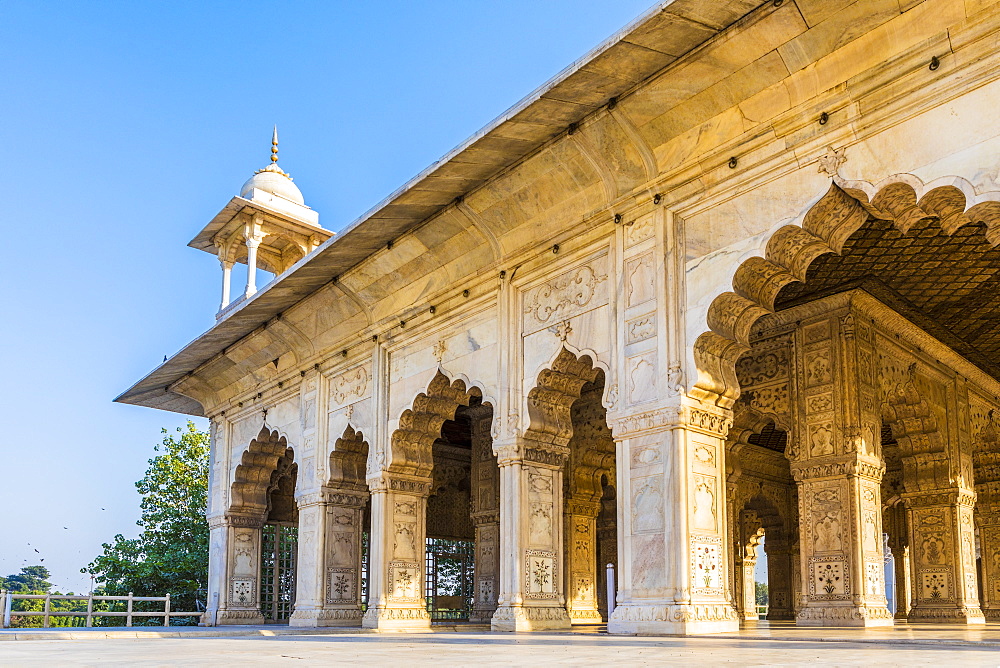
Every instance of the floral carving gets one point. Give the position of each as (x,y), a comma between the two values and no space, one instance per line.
(570,291)
(351,383)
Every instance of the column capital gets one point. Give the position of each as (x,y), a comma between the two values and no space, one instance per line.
(383,481)
(352,498)
(833,467)
(940,497)
(527,450)
(584,507)
(708,419)
(239,520)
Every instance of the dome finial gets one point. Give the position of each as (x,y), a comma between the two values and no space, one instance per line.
(274,145)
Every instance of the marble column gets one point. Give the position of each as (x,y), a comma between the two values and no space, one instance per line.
(781,563)
(943,558)
(486,518)
(397,553)
(531,489)
(838,469)
(580,530)
(987,517)
(328,577)
(227,272)
(751,534)
(672,518)
(253,243)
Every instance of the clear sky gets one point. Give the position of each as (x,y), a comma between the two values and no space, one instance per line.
(125,127)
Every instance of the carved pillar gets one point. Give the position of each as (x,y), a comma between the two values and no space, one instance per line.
(780,566)
(607,548)
(943,558)
(939,504)
(987,472)
(397,553)
(328,584)
(580,530)
(751,534)
(240,599)
(838,470)
(486,517)
(531,486)
(673,561)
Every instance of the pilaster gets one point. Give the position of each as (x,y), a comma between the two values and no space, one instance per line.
(671,513)
(987,517)
(837,466)
(486,518)
(943,565)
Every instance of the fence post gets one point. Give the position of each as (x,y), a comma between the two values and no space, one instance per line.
(90,610)
(166,611)
(128,617)
(5,619)
(48,600)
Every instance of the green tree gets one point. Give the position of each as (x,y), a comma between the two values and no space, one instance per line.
(31,580)
(170,555)
(761,592)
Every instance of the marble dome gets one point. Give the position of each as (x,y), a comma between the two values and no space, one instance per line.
(273,180)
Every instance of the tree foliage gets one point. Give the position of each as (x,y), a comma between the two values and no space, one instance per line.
(170,555)
(761,593)
(31,580)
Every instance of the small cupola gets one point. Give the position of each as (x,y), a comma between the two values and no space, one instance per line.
(268,226)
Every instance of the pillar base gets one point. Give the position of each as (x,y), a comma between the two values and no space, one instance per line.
(585,617)
(396,619)
(674,619)
(844,615)
(525,618)
(244,617)
(326,617)
(956,615)
(482,615)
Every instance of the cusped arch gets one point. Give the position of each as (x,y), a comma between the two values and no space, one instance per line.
(267,458)
(913,423)
(420,425)
(349,461)
(824,228)
(550,400)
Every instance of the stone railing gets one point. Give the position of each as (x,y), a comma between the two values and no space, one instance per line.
(7,602)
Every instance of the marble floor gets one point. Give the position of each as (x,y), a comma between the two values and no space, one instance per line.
(766,645)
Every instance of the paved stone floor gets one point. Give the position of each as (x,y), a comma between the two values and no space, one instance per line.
(461,648)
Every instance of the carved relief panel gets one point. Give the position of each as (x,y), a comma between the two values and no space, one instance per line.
(568,294)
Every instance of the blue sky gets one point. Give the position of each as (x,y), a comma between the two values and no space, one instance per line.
(126,126)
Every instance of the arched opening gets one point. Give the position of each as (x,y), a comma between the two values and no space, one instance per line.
(263,553)
(764,519)
(279,544)
(462,556)
(348,529)
(589,506)
(438,500)
(831,317)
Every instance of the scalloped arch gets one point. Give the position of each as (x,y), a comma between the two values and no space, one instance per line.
(557,387)
(824,228)
(268,455)
(419,426)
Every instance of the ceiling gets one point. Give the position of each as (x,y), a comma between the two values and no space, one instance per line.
(947,284)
